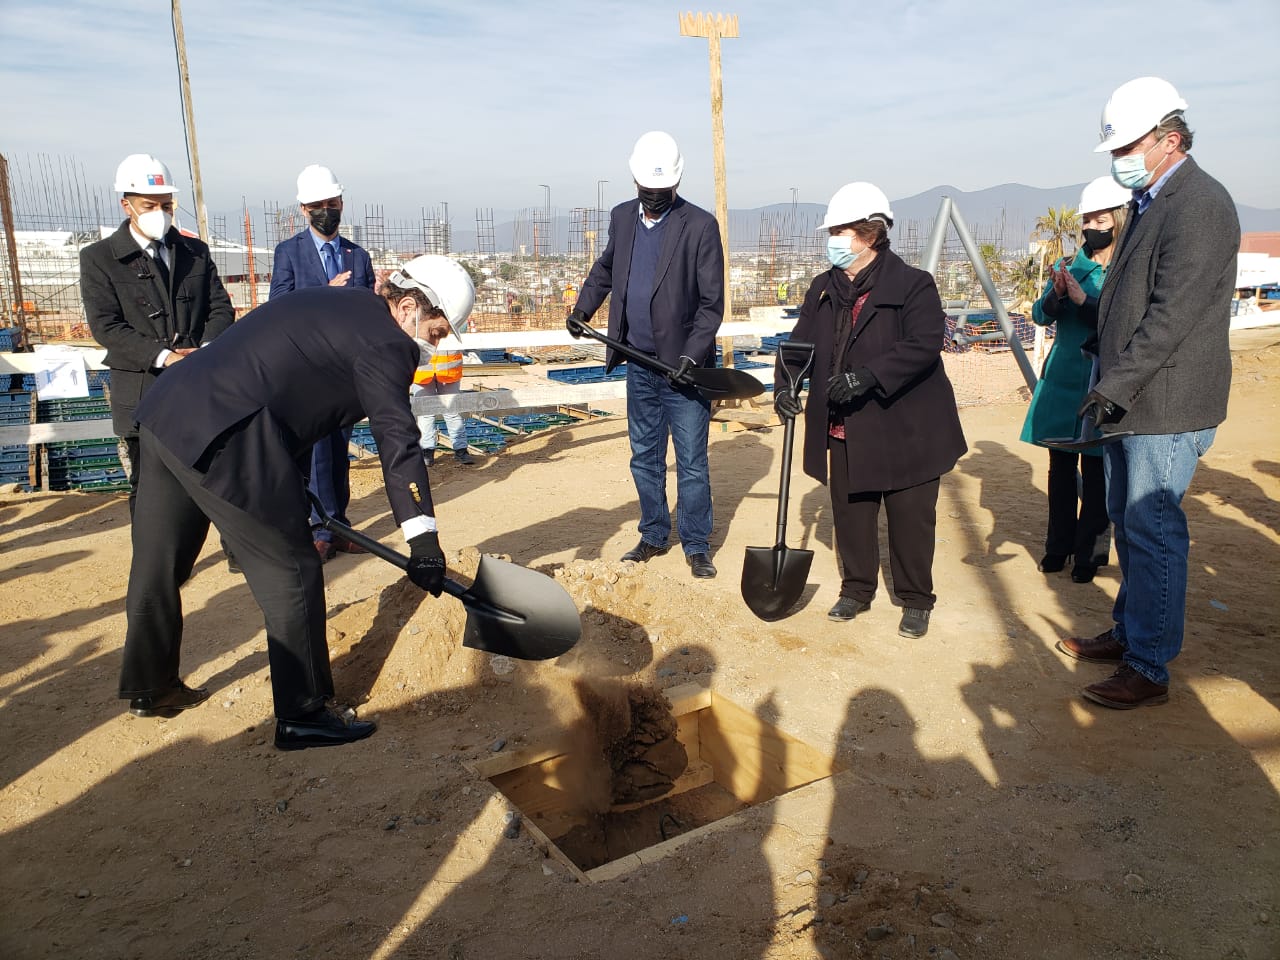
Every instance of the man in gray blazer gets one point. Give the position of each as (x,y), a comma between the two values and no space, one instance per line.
(1165,371)
(665,267)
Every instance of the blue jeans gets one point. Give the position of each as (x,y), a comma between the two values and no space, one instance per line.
(1146,479)
(453,422)
(656,410)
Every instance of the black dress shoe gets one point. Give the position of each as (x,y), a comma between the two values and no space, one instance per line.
(914,623)
(1083,573)
(321,728)
(463,457)
(701,565)
(847,608)
(170,703)
(643,552)
(1052,562)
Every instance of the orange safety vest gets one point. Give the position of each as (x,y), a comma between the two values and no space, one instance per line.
(444,367)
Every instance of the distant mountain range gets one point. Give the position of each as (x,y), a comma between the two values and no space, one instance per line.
(1005,214)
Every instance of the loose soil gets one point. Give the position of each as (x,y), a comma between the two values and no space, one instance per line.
(984,810)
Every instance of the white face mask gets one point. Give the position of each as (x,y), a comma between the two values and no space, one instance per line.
(154,224)
(1131,171)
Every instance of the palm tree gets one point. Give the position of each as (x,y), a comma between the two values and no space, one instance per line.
(1054,230)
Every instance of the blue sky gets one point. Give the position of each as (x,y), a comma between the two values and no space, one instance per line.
(477,103)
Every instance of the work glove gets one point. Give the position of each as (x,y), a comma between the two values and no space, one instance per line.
(1097,410)
(426,562)
(682,375)
(575,324)
(844,387)
(787,405)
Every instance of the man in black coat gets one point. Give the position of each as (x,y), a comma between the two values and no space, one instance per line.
(223,444)
(664,264)
(151,295)
(1164,362)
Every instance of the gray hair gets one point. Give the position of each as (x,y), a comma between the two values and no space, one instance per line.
(1176,123)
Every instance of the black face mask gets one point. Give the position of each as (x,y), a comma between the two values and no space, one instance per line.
(1097,240)
(656,202)
(325,220)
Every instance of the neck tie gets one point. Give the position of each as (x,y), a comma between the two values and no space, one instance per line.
(330,260)
(158,257)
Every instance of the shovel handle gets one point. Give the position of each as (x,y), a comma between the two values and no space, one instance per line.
(376,547)
(803,352)
(631,353)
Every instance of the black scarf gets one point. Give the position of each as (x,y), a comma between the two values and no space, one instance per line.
(844,294)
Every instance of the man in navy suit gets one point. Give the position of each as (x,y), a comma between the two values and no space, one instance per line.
(665,266)
(319,257)
(224,443)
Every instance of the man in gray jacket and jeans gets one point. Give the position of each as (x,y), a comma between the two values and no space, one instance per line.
(1165,371)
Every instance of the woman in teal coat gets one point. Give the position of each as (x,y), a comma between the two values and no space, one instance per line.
(1078,525)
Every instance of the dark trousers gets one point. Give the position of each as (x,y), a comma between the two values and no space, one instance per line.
(330,480)
(912,517)
(128,450)
(279,563)
(1078,524)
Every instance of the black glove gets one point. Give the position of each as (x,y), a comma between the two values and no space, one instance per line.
(1097,410)
(574,323)
(426,563)
(844,387)
(681,375)
(787,405)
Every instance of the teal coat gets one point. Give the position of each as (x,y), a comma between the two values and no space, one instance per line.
(1065,379)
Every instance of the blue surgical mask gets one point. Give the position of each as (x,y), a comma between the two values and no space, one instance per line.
(1131,171)
(840,251)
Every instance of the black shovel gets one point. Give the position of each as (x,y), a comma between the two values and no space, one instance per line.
(715,383)
(1081,444)
(773,578)
(511,610)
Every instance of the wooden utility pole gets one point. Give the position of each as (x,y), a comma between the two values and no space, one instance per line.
(713,27)
(184,82)
(11,245)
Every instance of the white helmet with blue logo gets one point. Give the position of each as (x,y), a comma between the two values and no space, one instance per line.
(656,162)
(1135,109)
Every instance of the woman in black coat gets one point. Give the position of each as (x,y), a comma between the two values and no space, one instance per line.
(881,419)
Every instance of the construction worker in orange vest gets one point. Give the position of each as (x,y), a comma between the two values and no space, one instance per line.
(441,375)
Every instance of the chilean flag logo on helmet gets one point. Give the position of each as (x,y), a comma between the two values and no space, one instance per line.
(155,179)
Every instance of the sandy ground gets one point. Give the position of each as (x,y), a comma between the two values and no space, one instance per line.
(983,809)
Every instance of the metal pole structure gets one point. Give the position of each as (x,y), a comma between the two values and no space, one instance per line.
(11,245)
(600,194)
(989,288)
(184,82)
(713,27)
(448,231)
(933,246)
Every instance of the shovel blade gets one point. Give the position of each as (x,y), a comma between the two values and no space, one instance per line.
(1080,444)
(519,613)
(726,383)
(773,578)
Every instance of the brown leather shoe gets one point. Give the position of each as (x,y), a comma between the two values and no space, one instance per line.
(1126,689)
(1104,648)
(326,550)
(343,545)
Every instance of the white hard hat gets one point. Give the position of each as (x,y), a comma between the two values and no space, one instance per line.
(143,173)
(447,285)
(317,183)
(1135,109)
(854,202)
(655,161)
(1103,194)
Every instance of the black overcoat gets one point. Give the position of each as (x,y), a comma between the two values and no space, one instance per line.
(133,315)
(906,431)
